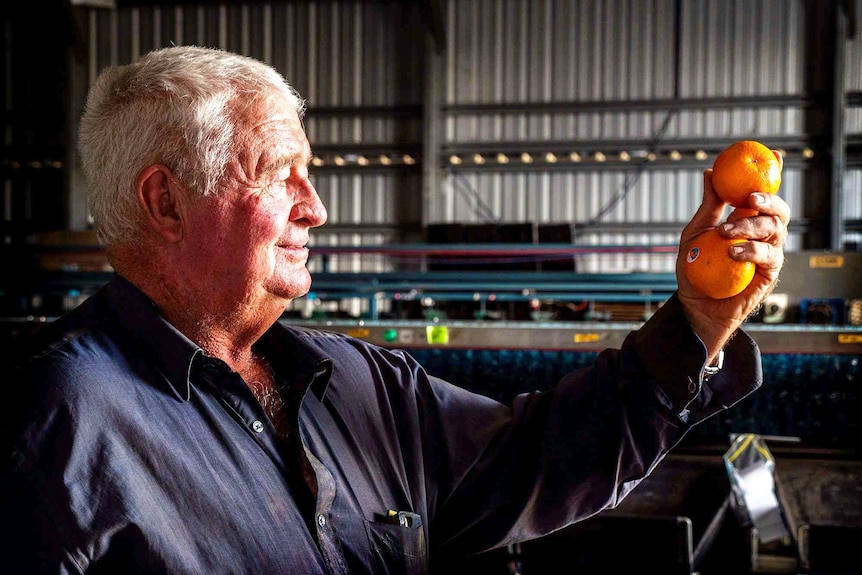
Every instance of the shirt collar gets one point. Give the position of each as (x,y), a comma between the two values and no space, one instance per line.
(292,352)
(173,354)
(171,351)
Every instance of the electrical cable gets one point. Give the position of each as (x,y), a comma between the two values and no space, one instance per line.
(480,208)
(632,179)
(659,135)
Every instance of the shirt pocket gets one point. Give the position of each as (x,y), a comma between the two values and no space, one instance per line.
(397,550)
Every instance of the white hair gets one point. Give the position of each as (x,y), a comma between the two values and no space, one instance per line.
(175,106)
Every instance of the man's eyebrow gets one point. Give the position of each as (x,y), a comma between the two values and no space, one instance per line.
(287,161)
(298,157)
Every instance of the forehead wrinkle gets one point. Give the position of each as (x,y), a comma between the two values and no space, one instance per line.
(275,140)
(269,155)
(292,156)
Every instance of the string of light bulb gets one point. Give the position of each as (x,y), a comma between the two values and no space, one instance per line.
(532,157)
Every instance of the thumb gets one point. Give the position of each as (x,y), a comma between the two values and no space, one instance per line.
(710,212)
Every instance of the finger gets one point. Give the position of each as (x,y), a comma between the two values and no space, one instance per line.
(711,208)
(770,204)
(740,213)
(780,157)
(761,228)
(767,257)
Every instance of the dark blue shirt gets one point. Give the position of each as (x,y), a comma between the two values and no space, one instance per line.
(128,450)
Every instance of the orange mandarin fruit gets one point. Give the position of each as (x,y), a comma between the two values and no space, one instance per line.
(711,270)
(743,168)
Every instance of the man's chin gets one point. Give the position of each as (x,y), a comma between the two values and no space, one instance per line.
(295,286)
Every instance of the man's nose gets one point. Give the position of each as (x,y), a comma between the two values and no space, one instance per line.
(309,209)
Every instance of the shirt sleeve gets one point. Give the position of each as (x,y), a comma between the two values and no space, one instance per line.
(675,358)
(36,514)
(565,454)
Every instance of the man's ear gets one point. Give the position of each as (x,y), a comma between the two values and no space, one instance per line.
(160,195)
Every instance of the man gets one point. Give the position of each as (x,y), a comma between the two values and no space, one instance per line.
(172,424)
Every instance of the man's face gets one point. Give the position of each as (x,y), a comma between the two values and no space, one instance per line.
(254,234)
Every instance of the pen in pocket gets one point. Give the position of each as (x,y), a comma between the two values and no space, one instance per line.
(404,519)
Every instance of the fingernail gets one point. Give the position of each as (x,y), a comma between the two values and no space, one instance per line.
(758,199)
(727,227)
(737,249)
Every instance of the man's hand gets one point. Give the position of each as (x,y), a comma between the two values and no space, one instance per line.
(765,228)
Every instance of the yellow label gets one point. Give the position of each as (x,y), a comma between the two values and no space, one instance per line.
(437,334)
(586,337)
(850,338)
(826,261)
(359,332)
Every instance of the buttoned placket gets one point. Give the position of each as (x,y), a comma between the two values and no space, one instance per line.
(247,412)
(233,393)
(326,531)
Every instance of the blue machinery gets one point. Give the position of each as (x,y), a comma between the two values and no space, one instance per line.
(494,273)
(499,286)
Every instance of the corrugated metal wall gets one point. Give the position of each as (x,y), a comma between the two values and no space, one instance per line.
(852,184)
(338,53)
(372,57)
(549,51)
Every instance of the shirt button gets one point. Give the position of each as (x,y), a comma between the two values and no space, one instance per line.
(321,520)
(257,426)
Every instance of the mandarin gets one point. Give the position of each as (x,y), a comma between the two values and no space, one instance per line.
(743,168)
(711,270)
